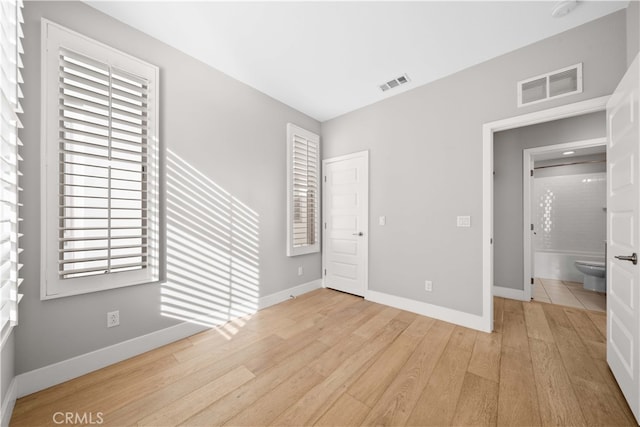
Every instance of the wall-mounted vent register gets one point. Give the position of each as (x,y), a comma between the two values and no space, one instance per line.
(563,82)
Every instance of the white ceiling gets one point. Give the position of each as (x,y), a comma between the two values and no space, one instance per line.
(328,58)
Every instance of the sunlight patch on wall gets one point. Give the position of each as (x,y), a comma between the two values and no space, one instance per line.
(213,270)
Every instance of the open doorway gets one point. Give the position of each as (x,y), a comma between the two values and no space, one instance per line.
(564,217)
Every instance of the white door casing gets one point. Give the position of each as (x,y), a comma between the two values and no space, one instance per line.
(623,235)
(345,219)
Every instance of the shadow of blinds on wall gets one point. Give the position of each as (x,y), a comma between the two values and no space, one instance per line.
(10,78)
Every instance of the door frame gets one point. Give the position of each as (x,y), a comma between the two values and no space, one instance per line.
(488,129)
(365,221)
(527,183)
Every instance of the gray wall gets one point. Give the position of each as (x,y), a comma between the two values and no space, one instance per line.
(508,250)
(425,159)
(229,132)
(633,30)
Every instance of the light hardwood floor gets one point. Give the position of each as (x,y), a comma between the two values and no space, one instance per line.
(328,358)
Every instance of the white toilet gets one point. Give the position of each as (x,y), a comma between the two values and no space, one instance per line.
(595,275)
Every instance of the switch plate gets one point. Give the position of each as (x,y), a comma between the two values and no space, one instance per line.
(300,271)
(382,220)
(428,285)
(113,318)
(464,221)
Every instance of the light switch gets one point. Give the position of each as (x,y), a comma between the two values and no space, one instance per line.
(382,220)
(464,221)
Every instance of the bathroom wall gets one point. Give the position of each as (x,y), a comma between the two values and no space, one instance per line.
(508,215)
(569,219)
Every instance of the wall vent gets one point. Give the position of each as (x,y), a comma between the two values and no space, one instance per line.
(395,83)
(563,82)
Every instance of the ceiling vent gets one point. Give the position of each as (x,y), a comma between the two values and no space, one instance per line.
(395,83)
(563,82)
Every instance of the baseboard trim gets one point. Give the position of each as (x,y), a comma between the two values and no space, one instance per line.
(517,294)
(48,376)
(278,297)
(425,309)
(9,402)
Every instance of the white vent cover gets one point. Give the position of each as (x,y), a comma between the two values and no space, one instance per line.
(563,82)
(395,83)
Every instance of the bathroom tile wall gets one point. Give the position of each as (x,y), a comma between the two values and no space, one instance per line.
(569,214)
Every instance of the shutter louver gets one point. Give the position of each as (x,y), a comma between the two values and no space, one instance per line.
(10,94)
(303,215)
(305,191)
(103,223)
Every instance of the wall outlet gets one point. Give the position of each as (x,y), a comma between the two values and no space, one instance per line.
(428,285)
(300,271)
(382,220)
(113,319)
(463,221)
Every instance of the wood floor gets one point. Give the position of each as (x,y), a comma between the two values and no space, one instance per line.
(328,358)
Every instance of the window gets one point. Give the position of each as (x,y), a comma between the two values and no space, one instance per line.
(10,78)
(100,156)
(303,213)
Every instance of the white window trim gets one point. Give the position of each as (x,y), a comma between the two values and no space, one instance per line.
(292,131)
(50,286)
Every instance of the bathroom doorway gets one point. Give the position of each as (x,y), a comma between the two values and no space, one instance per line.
(564,207)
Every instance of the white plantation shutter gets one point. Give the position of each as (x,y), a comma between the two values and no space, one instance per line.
(103,128)
(303,191)
(10,78)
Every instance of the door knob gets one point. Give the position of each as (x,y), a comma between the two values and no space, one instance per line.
(360,233)
(633,258)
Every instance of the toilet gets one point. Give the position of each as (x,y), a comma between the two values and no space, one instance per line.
(595,275)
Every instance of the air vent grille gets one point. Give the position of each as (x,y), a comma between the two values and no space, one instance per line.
(563,82)
(395,82)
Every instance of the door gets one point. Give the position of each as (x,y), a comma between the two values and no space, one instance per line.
(623,231)
(345,222)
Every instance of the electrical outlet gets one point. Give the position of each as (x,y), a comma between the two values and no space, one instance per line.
(463,221)
(428,285)
(113,319)
(300,271)
(382,220)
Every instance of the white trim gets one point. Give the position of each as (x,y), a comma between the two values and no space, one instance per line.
(365,220)
(425,309)
(517,294)
(527,185)
(278,297)
(488,129)
(47,376)
(9,402)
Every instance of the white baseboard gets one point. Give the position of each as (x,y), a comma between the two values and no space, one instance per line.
(9,402)
(278,297)
(517,294)
(461,318)
(47,376)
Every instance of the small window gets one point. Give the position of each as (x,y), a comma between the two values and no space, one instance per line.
(303,212)
(100,153)
(566,81)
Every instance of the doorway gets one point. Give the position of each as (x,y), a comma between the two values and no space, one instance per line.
(345,237)
(564,217)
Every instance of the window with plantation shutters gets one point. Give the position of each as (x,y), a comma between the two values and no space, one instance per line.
(10,94)
(303,213)
(101,162)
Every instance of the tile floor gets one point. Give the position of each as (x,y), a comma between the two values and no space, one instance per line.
(570,294)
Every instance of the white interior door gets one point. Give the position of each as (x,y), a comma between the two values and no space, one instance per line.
(623,231)
(345,222)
